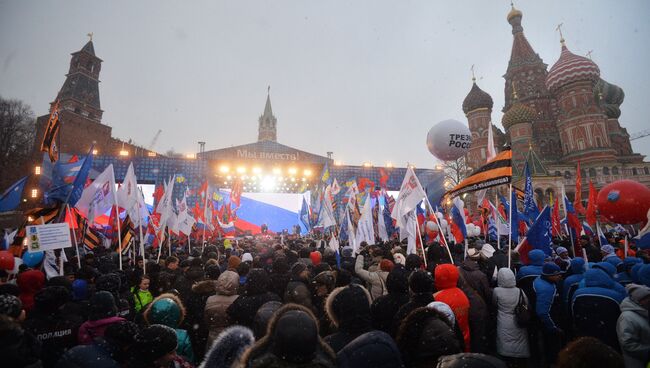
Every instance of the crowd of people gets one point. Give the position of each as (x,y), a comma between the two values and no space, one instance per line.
(297,303)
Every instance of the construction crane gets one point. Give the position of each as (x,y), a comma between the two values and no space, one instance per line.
(154,140)
(641,134)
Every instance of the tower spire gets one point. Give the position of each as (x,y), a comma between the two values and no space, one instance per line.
(473,75)
(559,29)
(267,122)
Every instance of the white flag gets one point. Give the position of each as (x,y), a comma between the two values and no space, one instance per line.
(411,233)
(336,188)
(381,225)
(185,219)
(98,197)
(365,229)
(139,213)
(352,241)
(351,194)
(326,216)
(165,207)
(410,195)
(127,194)
(491,151)
(334,243)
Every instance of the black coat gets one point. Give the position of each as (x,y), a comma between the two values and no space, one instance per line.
(417,300)
(384,309)
(97,355)
(242,310)
(57,333)
(374,349)
(193,323)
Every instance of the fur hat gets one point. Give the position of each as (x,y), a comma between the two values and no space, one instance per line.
(228,346)
(154,342)
(10,305)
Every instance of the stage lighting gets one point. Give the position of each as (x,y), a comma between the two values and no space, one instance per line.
(34,193)
(150,154)
(37,170)
(292,170)
(277,170)
(228,177)
(124,153)
(224,169)
(389,164)
(95,152)
(257,170)
(367,164)
(241,169)
(268,184)
(190,156)
(338,163)
(307,172)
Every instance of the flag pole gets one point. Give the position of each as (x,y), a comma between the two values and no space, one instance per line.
(74,236)
(442,233)
(169,241)
(626,247)
(424,256)
(511,224)
(144,260)
(205,208)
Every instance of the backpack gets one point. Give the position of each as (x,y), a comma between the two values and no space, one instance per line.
(522,312)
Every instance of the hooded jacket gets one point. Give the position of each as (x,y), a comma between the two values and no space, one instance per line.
(242,310)
(577,270)
(374,349)
(536,258)
(425,335)
(476,279)
(348,308)
(292,341)
(598,282)
(446,281)
(546,305)
(384,308)
(215,315)
(168,310)
(512,340)
(30,282)
(633,330)
(228,347)
(375,280)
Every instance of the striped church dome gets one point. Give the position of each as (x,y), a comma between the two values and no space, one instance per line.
(476,99)
(571,68)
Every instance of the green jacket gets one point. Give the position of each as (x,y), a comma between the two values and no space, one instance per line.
(142,298)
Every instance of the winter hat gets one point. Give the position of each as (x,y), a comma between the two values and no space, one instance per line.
(386,265)
(109,282)
(102,305)
(473,253)
(551,269)
(294,337)
(444,309)
(10,306)
(372,349)
(228,347)
(637,292)
(487,250)
(51,298)
(608,249)
(212,272)
(413,262)
(471,360)
(421,282)
(399,259)
(79,289)
(327,279)
(644,275)
(577,266)
(247,257)
(560,250)
(233,262)
(263,316)
(609,268)
(347,251)
(121,334)
(60,281)
(397,281)
(348,307)
(154,342)
(315,257)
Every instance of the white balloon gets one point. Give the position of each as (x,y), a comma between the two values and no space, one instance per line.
(432,226)
(443,223)
(17,263)
(449,140)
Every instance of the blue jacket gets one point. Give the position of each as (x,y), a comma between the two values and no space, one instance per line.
(597,282)
(610,270)
(546,292)
(625,276)
(536,257)
(577,269)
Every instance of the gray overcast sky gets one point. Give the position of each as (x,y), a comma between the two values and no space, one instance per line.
(365,79)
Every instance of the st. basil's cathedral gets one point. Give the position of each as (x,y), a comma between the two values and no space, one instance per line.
(554,119)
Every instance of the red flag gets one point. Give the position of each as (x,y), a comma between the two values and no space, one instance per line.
(73,159)
(158,193)
(577,203)
(112,226)
(365,183)
(235,192)
(555,219)
(591,206)
(383,178)
(198,213)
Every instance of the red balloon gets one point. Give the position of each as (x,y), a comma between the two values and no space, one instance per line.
(6,260)
(624,202)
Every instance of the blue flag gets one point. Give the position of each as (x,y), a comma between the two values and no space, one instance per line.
(11,197)
(492,229)
(530,207)
(540,234)
(514,219)
(80,179)
(388,220)
(304,214)
(343,232)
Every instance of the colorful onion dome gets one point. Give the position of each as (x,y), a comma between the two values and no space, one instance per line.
(518,113)
(571,68)
(476,99)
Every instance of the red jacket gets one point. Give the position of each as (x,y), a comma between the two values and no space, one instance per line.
(446,278)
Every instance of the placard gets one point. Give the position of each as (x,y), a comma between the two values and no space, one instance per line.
(48,237)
